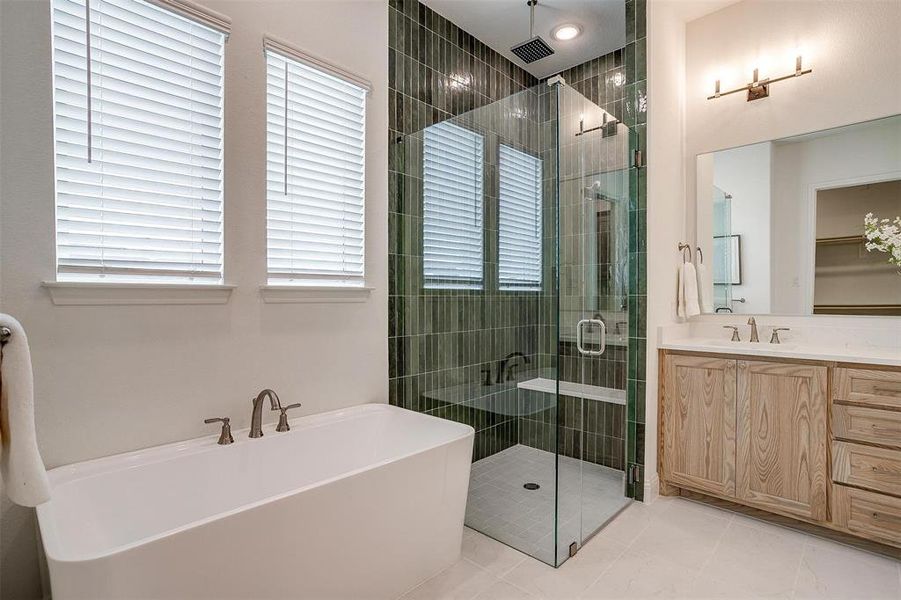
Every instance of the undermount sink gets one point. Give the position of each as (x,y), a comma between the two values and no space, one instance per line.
(753,345)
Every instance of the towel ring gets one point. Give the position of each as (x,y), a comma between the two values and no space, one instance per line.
(683,248)
(5,334)
(700,255)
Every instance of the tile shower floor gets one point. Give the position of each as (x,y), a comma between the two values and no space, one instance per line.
(500,507)
(672,548)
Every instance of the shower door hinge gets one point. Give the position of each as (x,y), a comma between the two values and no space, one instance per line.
(637,159)
(634,474)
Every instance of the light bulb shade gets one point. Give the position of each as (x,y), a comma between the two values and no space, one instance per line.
(566,32)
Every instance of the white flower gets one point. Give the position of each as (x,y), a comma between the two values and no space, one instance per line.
(884,235)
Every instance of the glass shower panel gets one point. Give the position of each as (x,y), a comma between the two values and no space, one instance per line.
(594,253)
(723,256)
(478,255)
(512,271)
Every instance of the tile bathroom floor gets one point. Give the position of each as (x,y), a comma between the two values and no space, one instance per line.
(672,548)
(500,507)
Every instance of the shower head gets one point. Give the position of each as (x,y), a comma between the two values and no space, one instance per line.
(533,48)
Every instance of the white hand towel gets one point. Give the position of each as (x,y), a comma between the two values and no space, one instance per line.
(705,289)
(24,476)
(690,287)
(680,291)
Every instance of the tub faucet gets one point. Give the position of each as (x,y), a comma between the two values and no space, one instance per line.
(505,369)
(754,336)
(256,418)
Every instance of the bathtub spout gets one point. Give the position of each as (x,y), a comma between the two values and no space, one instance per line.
(256,418)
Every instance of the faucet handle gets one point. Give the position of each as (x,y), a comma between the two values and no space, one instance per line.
(225,436)
(735,336)
(775,337)
(283,417)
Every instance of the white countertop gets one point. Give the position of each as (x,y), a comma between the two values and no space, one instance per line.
(873,341)
(838,353)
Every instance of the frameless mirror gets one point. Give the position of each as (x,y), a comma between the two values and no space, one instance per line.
(804,225)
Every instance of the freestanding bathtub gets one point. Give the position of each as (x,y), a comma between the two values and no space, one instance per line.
(364,502)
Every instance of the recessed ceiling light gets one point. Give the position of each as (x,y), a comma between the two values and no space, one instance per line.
(566,32)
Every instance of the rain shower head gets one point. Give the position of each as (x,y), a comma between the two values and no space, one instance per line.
(534,48)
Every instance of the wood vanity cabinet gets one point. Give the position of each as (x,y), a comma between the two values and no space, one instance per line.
(699,423)
(781,436)
(866,453)
(811,442)
(747,430)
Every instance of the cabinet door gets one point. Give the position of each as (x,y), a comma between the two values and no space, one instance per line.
(699,423)
(781,430)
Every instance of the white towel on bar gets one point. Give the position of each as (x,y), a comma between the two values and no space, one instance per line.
(705,289)
(688,291)
(24,476)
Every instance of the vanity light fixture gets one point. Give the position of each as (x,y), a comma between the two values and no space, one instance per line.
(566,32)
(760,88)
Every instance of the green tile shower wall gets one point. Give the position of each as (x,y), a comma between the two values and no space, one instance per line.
(438,71)
(440,341)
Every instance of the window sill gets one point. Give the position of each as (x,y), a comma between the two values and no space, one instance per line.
(78,293)
(292,294)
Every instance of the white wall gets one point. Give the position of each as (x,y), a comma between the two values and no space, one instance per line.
(666,200)
(114,378)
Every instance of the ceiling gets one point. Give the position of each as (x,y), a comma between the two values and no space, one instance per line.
(504,23)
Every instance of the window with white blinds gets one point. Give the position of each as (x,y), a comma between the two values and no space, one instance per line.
(519,220)
(452,207)
(315,133)
(138,140)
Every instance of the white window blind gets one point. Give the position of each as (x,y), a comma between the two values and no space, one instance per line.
(452,207)
(138,139)
(315,136)
(519,220)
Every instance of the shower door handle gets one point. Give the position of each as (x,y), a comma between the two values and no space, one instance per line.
(603,327)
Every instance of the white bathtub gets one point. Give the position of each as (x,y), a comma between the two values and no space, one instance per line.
(364,502)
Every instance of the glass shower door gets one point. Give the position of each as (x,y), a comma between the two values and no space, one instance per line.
(594,319)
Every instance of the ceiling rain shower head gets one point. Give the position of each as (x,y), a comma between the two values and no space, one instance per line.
(534,48)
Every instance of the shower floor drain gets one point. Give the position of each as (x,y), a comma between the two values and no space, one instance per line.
(531,486)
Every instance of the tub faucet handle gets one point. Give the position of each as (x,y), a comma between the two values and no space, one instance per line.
(283,417)
(225,436)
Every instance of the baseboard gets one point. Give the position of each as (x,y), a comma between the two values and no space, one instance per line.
(651,489)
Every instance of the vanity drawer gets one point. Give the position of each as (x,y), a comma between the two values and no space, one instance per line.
(869,425)
(867,514)
(876,469)
(868,387)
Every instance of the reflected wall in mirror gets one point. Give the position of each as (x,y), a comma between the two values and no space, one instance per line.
(849,278)
(782,222)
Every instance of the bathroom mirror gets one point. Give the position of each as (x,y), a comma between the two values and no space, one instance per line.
(804,225)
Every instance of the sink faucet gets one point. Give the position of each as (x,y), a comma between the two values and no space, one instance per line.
(502,373)
(256,419)
(753,324)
